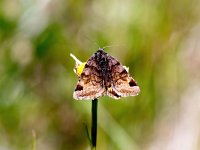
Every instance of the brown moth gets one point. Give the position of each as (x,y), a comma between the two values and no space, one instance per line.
(104,75)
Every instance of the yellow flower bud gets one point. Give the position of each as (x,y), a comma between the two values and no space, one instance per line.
(80,68)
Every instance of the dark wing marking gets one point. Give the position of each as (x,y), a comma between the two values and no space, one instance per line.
(112,93)
(122,85)
(90,84)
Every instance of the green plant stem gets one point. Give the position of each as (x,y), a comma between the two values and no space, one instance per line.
(94,123)
(34,140)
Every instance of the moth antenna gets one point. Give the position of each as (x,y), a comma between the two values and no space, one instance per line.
(93,41)
(111,46)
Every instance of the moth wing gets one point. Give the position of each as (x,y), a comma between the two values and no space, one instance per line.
(112,93)
(122,84)
(90,84)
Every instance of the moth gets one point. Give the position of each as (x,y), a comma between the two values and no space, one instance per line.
(104,75)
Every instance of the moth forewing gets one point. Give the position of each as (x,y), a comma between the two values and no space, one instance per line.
(104,75)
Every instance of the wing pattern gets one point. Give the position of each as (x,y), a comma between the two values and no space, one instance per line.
(94,81)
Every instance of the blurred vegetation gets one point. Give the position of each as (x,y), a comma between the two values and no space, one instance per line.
(37,78)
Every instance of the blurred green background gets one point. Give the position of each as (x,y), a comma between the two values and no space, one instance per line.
(158,40)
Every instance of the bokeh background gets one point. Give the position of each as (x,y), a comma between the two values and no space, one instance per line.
(159,40)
